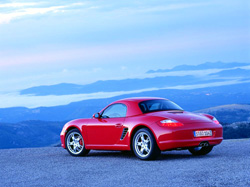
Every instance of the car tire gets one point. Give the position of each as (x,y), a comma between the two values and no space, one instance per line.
(200,150)
(144,145)
(75,143)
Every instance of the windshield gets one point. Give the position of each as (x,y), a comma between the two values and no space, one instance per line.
(158,105)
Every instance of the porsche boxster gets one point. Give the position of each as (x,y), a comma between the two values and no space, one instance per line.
(145,126)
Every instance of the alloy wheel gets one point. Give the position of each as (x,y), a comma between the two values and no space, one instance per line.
(75,143)
(142,144)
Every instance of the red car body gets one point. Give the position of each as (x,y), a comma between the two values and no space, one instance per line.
(117,133)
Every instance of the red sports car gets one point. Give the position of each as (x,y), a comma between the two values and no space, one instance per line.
(145,125)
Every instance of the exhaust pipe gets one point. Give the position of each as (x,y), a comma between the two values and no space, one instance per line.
(204,144)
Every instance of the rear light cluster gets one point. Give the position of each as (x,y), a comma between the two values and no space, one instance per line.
(216,121)
(170,123)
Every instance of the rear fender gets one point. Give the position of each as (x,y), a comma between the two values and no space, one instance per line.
(136,128)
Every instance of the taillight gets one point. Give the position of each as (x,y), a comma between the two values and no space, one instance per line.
(170,123)
(216,121)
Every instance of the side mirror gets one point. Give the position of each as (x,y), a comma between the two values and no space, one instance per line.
(96,115)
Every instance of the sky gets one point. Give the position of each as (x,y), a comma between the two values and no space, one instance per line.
(50,42)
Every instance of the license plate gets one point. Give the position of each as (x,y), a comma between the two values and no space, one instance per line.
(203,133)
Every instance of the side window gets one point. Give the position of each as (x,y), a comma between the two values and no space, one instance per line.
(115,111)
(155,106)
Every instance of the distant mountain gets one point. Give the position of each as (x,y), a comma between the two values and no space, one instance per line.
(146,83)
(57,89)
(238,72)
(204,66)
(190,100)
(229,113)
(30,134)
(236,130)
(117,85)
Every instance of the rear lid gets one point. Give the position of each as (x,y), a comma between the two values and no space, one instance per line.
(182,116)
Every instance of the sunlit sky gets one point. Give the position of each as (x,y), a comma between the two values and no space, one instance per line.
(49,42)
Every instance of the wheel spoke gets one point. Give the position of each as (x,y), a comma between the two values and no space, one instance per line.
(142,137)
(78,148)
(147,149)
(142,150)
(147,140)
(75,148)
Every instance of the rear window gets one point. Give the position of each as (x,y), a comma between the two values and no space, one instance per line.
(158,105)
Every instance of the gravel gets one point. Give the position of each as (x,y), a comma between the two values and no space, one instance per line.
(227,165)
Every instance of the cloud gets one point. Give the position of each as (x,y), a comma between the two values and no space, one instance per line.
(172,7)
(163,44)
(24,11)
(157,8)
(14,5)
(19,10)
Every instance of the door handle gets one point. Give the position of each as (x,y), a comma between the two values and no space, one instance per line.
(118,125)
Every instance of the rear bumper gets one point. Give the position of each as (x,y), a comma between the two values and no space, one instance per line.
(174,144)
(184,137)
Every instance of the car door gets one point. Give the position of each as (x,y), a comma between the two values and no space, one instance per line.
(107,130)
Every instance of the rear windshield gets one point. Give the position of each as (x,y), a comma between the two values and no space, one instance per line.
(158,105)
